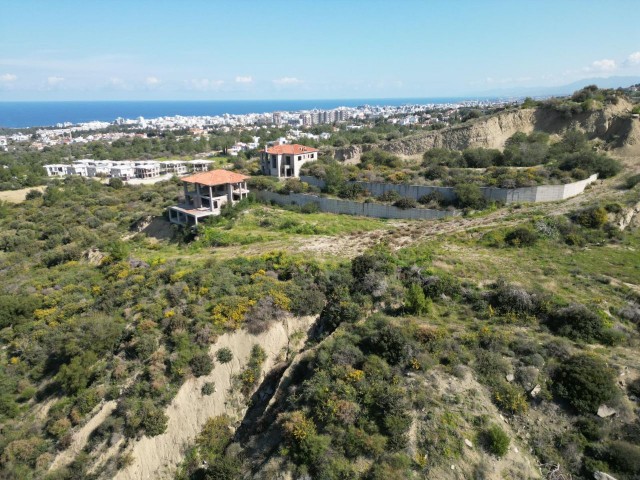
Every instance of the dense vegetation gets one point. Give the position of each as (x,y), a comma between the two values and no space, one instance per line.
(585,100)
(419,347)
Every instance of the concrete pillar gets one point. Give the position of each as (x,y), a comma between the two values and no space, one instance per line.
(230,192)
(210,198)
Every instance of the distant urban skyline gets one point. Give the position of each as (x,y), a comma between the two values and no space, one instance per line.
(220,50)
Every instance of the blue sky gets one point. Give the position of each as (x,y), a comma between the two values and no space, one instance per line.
(242,49)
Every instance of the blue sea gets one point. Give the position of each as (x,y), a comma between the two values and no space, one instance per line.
(39,114)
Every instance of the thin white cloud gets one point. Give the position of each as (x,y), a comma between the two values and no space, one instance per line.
(53,81)
(241,79)
(152,81)
(633,59)
(287,81)
(204,84)
(116,82)
(8,78)
(604,65)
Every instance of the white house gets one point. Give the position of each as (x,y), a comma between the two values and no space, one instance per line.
(99,168)
(78,168)
(284,161)
(176,167)
(123,170)
(200,165)
(148,169)
(56,170)
(205,193)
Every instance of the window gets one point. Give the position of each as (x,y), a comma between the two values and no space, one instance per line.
(299,157)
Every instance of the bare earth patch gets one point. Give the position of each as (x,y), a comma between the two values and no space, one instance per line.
(18,196)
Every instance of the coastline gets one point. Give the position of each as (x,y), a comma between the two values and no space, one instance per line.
(42,114)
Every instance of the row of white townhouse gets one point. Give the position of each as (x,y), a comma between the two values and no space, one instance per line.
(127,170)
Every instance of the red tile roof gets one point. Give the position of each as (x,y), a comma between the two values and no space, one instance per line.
(293,149)
(215,177)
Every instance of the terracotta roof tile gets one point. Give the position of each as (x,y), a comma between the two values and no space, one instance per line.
(215,177)
(293,149)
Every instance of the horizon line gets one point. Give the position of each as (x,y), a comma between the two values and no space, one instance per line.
(461,97)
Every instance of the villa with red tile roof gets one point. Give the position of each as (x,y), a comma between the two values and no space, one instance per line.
(284,161)
(205,193)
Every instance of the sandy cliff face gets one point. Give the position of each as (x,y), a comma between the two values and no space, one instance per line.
(612,124)
(157,457)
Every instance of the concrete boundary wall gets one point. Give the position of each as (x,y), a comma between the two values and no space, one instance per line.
(540,193)
(348,207)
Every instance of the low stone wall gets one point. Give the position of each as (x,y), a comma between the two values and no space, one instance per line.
(540,193)
(348,207)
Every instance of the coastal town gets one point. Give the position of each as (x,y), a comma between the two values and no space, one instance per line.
(298,123)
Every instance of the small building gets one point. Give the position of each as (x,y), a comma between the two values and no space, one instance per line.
(123,170)
(99,168)
(56,170)
(200,165)
(176,167)
(147,169)
(284,161)
(78,168)
(205,193)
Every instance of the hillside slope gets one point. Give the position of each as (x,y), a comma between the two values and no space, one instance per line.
(612,123)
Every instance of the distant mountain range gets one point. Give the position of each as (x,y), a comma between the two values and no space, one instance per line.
(608,82)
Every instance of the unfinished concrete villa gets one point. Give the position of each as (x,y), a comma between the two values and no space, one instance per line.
(205,193)
(284,161)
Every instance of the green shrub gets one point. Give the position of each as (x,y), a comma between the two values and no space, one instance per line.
(585,382)
(592,162)
(496,440)
(442,156)
(300,434)
(116,183)
(510,398)
(224,355)
(208,388)
(434,198)
(201,364)
(76,375)
(14,309)
(312,207)
(623,457)
(351,191)
(442,284)
(521,237)
(594,217)
(405,203)
(632,181)
(381,158)
(33,194)
(469,195)
(578,323)
(389,196)
(415,301)
(390,343)
(339,308)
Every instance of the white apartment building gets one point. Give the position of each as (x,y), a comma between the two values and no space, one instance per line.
(78,168)
(123,170)
(284,161)
(199,165)
(56,170)
(177,167)
(99,168)
(147,169)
